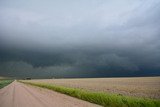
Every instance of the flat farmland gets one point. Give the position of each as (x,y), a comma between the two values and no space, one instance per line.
(145,87)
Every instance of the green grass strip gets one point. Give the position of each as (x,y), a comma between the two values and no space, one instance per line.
(4,83)
(104,99)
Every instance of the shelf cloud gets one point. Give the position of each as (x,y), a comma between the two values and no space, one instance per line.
(44,39)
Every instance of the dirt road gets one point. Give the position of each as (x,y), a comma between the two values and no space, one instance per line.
(19,95)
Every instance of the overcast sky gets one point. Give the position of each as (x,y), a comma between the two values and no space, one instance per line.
(79,38)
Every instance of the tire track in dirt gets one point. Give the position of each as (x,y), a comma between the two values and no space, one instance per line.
(20,95)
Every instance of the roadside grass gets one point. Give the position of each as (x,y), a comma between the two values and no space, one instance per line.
(104,99)
(4,83)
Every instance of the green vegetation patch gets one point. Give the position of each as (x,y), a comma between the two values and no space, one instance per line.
(4,83)
(104,99)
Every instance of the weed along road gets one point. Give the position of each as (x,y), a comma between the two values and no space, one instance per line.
(20,95)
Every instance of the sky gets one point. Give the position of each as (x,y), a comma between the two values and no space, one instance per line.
(79,38)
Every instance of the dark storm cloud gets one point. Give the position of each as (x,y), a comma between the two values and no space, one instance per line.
(79,38)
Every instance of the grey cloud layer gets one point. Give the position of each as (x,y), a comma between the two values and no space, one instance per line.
(81,24)
(100,38)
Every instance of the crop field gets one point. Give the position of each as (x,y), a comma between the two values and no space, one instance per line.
(107,92)
(145,87)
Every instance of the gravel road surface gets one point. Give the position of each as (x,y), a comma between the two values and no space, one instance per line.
(20,95)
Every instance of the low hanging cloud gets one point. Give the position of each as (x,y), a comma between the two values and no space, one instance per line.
(81,66)
(23,69)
